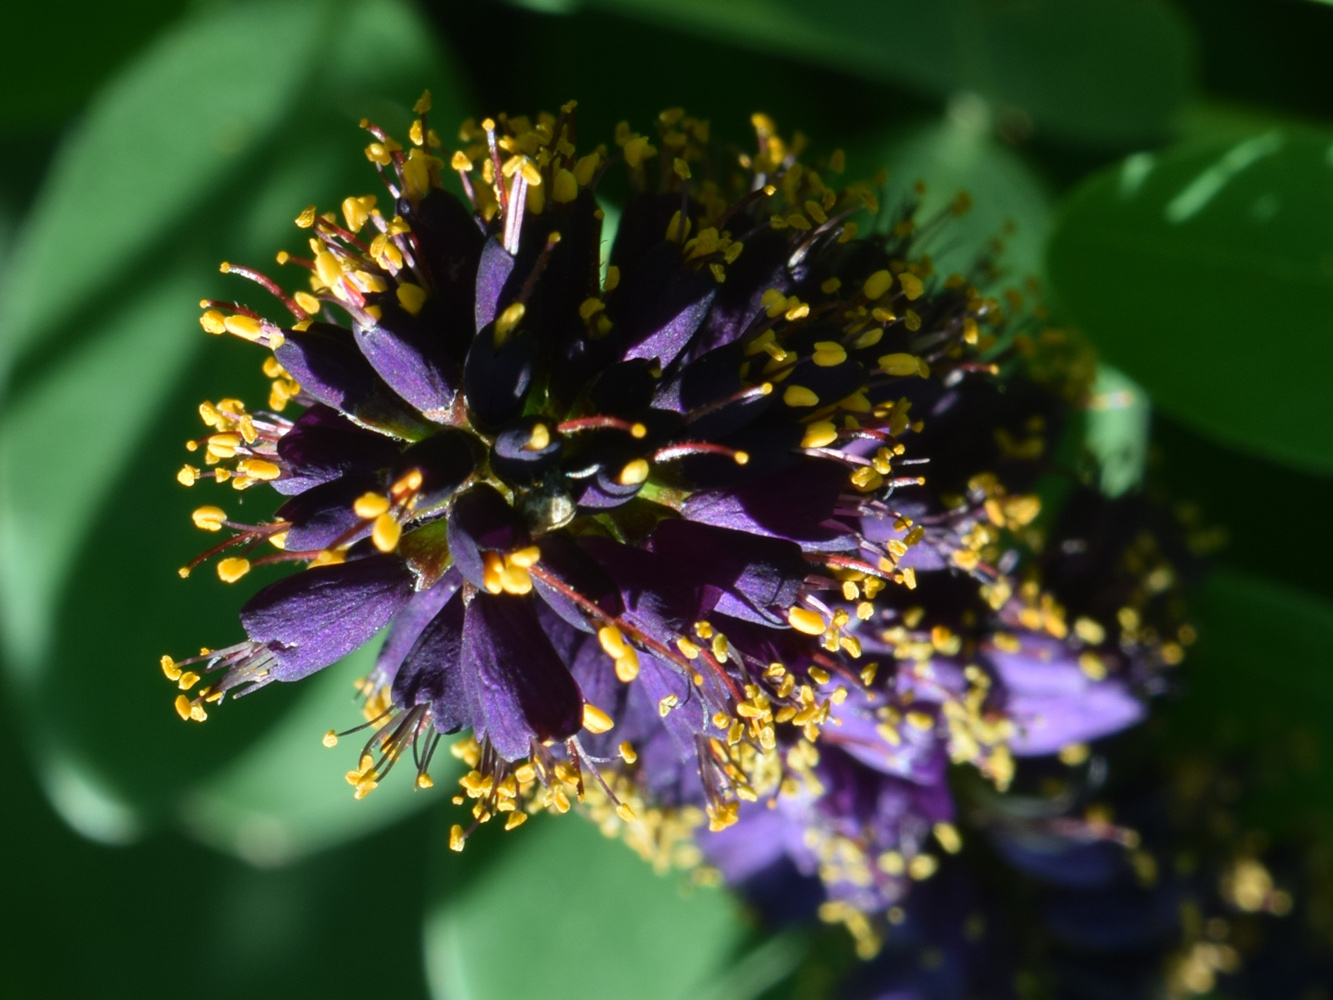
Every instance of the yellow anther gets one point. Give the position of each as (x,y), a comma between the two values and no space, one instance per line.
(627,665)
(807,621)
(634,472)
(357,210)
(231,570)
(411,297)
(829,353)
(947,835)
(423,781)
(330,739)
(370,505)
(524,558)
(459,161)
(565,187)
(169,668)
(184,708)
(612,278)
(595,720)
(688,649)
(590,307)
(1090,631)
(837,163)
(507,320)
(423,103)
(213,321)
(666,704)
(208,518)
(912,320)
(681,168)
(877,284)
(799,395)
(673,230)
(515,819)
(245,327)
(627,753)
(612,641)
(258,468)
(328,268)
(816,212)
(407,482)
(903,364)
(638,431)
(417,133)
(539,438)
(457,839)
(307,217)
(637,150)
(386,532)
(912,286)
(416,173)
(308,302)
(187,475)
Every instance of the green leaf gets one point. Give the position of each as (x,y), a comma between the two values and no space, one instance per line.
(1105,71)
(161,136)
(92,523)
(1259,685)
(587,916)
(1203,272)
(959,153)
(1117,425)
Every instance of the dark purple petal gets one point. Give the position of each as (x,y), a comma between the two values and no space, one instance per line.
(409,623)
(323,514)
(450,241)
(763,265)
(661,305)
(446,461)
(580,573)
(326,364)
(522,689)
(493,272)
(323,445)
(304,618)
(757,578)
(481,521)
(412,361)
(433,671)
(796,504)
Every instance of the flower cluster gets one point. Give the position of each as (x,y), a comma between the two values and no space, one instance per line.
(748,528)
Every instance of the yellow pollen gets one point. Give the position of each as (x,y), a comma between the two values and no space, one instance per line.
(799,395)
(386,532)
(627,753)
(565,187)
(245,327)
(539,438)
(877,284)
(330,739)
(257,468)
(209,518)
(633,473)
(820,434)
(947,835)
(514,820)
(612,641)
(169,668)
(327,267)
(411,297)
(595,720)
(627,665)
(231,570)
(507,320)
(904,364)
(307,302)
(183,707)
(213,321)
(912,286)
(829,354)
(307,217)
(456,838)
(807,621)
(370,505)
(612,279)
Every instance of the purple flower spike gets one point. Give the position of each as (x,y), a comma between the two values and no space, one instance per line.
(729,540)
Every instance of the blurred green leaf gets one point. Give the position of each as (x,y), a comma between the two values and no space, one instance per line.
(92,524)
(1105,71)
(1204,273)
(1118,419)
(589,918)
(285,797)
(161,136)
(74,45)
(1260,684)
(960,153)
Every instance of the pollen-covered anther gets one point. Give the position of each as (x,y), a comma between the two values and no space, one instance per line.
(595,720)
(232,569)
(208,518)
(807,621)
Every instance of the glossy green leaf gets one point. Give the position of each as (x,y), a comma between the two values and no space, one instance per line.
(1108,71)
(1259,684)
(92,523)
(960,154)
(586,915)
(285,797)
(1203,272)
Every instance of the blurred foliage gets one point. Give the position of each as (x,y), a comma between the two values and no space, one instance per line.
(1165,163)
